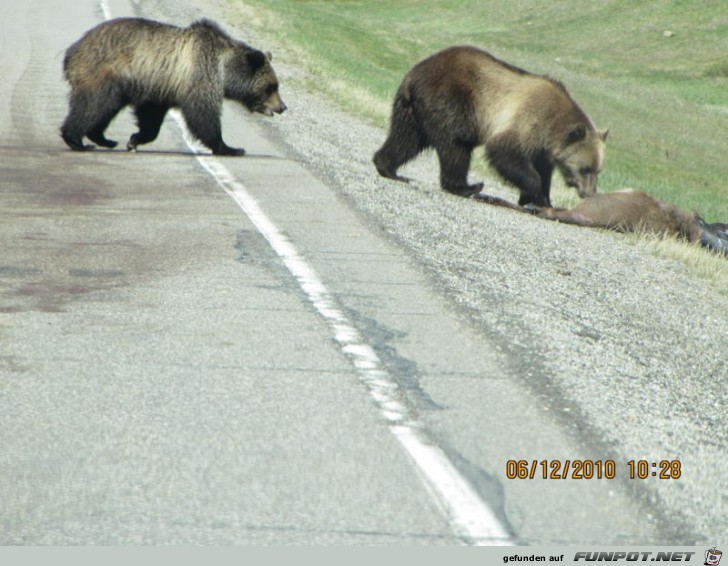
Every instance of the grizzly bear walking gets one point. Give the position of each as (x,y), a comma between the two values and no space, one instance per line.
(154,67)
(463,97)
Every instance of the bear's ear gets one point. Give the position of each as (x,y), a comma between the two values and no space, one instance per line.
(269,55)
(603,134)
(256,59)
(576,134)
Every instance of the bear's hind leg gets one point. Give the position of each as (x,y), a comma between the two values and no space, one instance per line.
(106,113)
(454,167)
(89,115)
(97,135)
(404,143)
(77,122)
(149,120)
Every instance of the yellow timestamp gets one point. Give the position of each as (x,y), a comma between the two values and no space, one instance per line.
(663,469)
(558,469)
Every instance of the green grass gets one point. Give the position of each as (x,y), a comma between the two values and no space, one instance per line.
(655,73)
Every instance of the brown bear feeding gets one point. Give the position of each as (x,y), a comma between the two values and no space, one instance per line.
(463,97)
(154,67)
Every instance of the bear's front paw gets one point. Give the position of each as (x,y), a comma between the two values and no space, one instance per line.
(133,142)
(532,208)
(228,151)
(464,191)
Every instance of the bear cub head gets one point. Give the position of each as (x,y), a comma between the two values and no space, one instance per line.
(580,159)
(251,80)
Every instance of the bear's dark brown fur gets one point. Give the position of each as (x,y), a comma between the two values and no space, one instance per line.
(463,97)
(154,67)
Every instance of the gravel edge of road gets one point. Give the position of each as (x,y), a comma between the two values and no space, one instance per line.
(561,302)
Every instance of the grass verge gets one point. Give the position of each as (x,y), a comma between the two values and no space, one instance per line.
(654,73)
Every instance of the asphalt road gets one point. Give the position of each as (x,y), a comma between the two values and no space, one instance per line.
(248,351)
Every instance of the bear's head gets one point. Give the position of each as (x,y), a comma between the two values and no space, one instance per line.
(580,159)
(251,80)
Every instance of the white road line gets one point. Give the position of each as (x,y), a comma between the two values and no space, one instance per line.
(105,10)
(468,515)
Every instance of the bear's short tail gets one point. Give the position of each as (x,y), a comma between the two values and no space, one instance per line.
(404,115)
(67,57)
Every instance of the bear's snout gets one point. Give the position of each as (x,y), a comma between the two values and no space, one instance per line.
(281,108)
(587,185)
(276,104)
